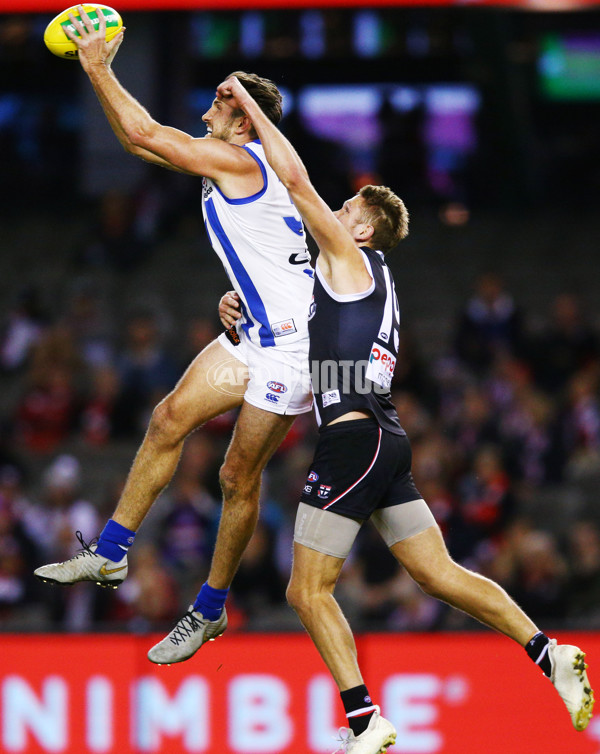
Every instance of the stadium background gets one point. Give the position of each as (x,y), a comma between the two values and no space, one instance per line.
(484,119)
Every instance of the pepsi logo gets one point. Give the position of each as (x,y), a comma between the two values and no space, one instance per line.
(277,387)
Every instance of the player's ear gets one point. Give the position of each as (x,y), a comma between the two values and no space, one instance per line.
(365,232)
(244,124)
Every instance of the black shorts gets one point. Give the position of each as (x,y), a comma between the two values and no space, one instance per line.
(359,467)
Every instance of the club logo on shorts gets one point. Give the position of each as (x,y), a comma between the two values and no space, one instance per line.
(272,397)
(313,476)
(324,490)
(277,387)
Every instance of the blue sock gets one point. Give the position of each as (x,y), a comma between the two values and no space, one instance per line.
(210,602)
(114,541)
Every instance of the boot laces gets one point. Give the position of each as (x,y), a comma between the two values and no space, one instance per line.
(184,628)
(85,549)
(346,738)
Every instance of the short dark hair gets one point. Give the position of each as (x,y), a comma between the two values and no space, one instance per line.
(386,212)
(264,91)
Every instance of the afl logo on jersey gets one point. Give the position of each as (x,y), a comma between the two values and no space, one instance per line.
(313,476)
(277,387)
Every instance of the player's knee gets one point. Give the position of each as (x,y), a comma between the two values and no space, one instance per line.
(297,596)
(236,484)
(164,424)
(432,581)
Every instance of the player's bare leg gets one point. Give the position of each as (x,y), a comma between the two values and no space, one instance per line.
(426,559)
(258,433)
(310,593)
(194,401)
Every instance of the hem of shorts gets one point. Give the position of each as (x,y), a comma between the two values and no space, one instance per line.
(273,409)
(234,351)
(401,502)
(344,513)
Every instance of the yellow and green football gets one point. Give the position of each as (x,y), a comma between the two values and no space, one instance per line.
(57,41)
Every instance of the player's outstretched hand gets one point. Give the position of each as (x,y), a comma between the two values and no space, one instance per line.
(229,309)
(91,43)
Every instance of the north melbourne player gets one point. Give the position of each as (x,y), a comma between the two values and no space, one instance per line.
(258,235)
(362,464)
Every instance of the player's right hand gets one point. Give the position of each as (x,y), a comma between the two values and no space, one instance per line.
(92,44)
(229,309)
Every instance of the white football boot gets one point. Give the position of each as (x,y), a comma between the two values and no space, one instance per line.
(570,680)
(85,566)
(189,634)
(374,740)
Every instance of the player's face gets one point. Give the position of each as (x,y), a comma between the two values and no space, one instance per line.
(219,121)
(350,215)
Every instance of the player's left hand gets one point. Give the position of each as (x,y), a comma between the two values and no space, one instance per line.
(229,309)
(92,45)
(233,92)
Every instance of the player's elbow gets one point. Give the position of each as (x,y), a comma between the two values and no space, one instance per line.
(140,135)
(295,179)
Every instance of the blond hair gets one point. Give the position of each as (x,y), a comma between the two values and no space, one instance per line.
(387,214)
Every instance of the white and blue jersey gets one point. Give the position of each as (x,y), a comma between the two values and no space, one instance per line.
(261,242)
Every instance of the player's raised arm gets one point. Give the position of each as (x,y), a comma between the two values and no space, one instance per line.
(137,131)
(336,244)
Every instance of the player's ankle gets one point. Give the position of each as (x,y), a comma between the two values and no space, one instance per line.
(210,602)
(537,649)
(114,541)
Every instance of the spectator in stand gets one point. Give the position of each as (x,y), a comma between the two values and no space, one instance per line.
(489,324)
(580,426)
(583,550)
(88,320)
(47,410)
(475,425)
(412,374)
(528,436)
(146,371)
(186,523)
(100,421)
(17,547)
(149,599)
(568,345)
(539,583)
(52,522)
(117,242)
(486,502)
(22,329)
(258,585)
(200,331)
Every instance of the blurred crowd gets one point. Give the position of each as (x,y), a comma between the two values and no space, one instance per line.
(502,424)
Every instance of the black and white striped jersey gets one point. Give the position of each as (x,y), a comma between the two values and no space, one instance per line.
(354,346)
